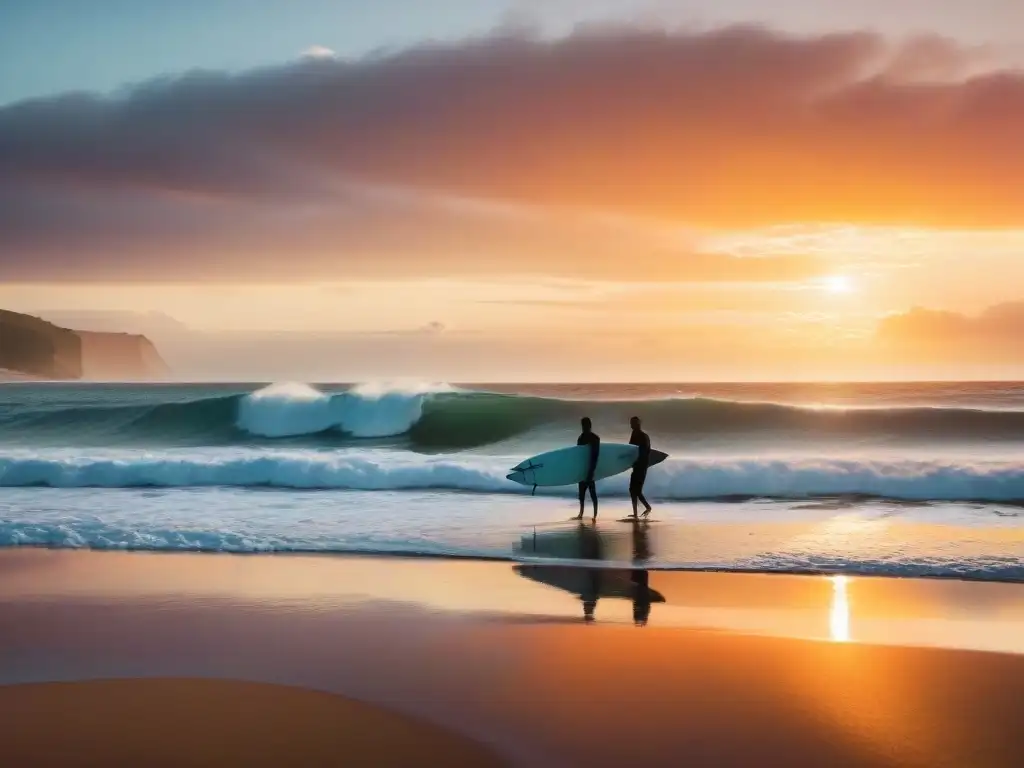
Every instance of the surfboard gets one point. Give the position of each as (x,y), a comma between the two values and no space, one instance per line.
(567,466)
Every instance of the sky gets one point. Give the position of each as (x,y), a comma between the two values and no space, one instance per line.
(492,189)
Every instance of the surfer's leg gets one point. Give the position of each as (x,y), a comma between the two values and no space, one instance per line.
(583,497)
(637,489)
(633,491)
(593,496)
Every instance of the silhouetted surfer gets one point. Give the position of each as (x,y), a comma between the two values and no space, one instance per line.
(589,438)
(639,475)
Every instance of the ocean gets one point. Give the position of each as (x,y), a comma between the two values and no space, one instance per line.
(887,479)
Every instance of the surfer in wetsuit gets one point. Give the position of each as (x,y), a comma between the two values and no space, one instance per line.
(642,440)
(589,438)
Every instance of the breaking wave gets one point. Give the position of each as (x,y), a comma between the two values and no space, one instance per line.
(436,418)
(675,479)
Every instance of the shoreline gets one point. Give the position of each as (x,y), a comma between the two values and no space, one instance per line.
(539,561)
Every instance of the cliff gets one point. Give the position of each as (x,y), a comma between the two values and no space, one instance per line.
(120,356)
(35,347)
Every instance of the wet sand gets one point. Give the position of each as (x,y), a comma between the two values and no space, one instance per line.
(212,723)
(477,657)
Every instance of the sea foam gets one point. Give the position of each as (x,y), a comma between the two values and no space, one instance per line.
(367,410)
(675,479)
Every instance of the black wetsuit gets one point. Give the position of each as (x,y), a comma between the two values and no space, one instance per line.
(591,439)
(639,475)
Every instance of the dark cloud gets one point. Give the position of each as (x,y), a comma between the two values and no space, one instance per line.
(733,127)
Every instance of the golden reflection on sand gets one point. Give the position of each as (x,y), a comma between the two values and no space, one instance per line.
(945,613)
(839,614)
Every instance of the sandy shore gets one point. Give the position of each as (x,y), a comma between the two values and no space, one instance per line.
(454,653)
(212,723)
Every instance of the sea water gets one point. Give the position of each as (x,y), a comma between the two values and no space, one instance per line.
(904,479)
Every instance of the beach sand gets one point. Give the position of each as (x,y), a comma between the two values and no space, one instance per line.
(212,723)
(437,657)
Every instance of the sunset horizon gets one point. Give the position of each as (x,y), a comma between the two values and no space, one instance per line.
(619,191)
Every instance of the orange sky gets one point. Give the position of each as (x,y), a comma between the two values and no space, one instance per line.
(626,203)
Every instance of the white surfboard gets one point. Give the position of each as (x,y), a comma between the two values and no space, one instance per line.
(567,466)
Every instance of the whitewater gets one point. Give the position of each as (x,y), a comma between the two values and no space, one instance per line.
(871,478)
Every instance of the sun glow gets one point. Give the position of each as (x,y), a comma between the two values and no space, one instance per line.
(838,284)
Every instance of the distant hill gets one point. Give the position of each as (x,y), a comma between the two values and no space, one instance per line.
(34,347)
(120,356)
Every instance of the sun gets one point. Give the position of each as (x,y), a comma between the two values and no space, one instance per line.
(838,284)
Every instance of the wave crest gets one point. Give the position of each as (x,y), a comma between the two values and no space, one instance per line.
(367,410)
(439,417)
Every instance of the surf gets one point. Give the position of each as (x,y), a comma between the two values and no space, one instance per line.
(366,411)
(393,470)
(439,417)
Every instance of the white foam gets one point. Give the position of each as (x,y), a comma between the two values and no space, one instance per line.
(283,410)
(366,410)
(400,470)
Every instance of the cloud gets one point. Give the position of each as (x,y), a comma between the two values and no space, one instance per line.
(318,52)
(993,335)
(664,304)
(356,232)
(471,152)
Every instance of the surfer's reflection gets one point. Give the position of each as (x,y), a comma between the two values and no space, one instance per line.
(641,541)
(589,583)
(640,576)
(641,597)
(590,549)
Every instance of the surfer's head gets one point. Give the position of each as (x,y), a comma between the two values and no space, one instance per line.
(634,422)
(585,423)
